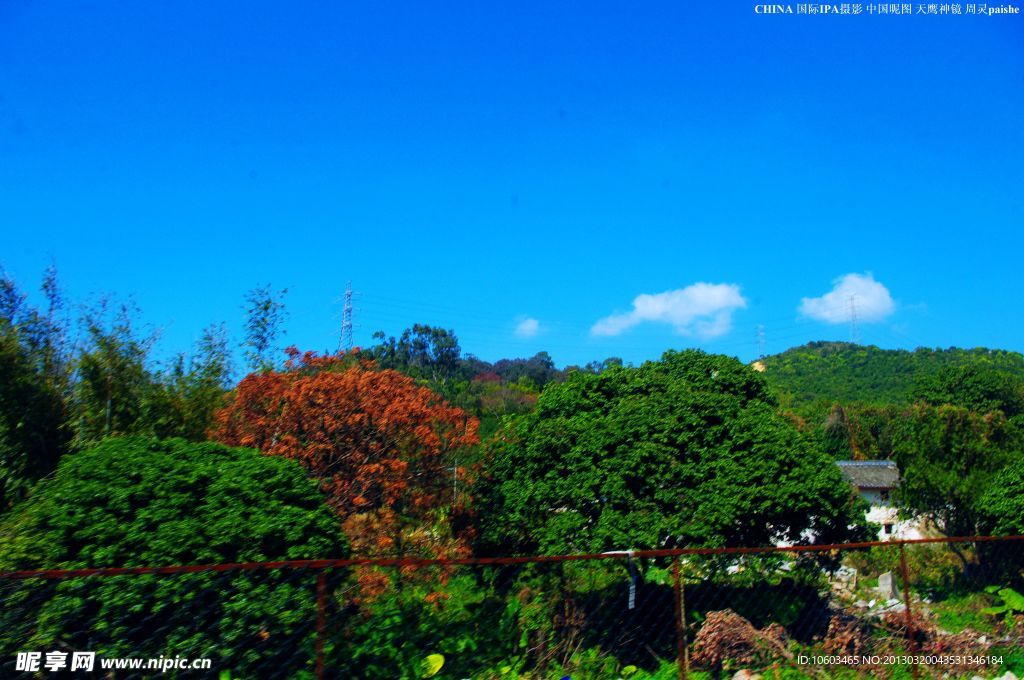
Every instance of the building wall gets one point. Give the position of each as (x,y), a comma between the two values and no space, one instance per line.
(872,496)
(883,513)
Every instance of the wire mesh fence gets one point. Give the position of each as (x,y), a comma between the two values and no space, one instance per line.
(941,607)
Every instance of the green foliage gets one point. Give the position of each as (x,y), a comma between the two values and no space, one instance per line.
(112,380)
(935,569)
(423,352)
(117,394)
(977,387)
(136,501)
(826,372)
(556,615)
(871,430)
(432,356)
(265,316)
(32,435)
(948,457)
(182,402)
(687,450)
(33,387)
(1012,602)
(142,502)
(590,664)
(491,392)
(412,620)
(836,434)
(963,611)
(491,399)
(538,370)
(1013,659)
(1002,507)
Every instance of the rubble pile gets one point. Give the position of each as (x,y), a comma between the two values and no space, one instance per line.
(846,636)
(728,638)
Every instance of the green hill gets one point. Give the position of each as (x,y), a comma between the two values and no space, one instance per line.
(840,371)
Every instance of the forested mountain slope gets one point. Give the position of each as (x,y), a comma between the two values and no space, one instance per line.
(845,372)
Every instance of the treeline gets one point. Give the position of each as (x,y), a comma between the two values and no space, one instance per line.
(490,391)
(75,374)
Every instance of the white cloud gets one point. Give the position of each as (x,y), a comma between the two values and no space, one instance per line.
(853,292)
(702,309)
(527,328)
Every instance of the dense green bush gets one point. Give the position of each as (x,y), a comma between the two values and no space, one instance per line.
(143,502)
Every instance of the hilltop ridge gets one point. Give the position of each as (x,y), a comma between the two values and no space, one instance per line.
(846,372)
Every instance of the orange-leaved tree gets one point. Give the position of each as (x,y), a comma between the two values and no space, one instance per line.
(383,448)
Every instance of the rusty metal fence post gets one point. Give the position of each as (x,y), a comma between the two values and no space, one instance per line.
(682,655)
(321,620)
(905,577)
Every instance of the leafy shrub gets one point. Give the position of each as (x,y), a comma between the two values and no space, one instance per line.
(142,502)
(1012,602)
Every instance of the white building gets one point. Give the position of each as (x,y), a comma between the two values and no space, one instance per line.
(875,481)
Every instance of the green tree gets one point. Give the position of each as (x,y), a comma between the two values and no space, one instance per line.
(601,366)
(836,433)
(34,377)
(1002,506)
(687,450)
(1001,513)
(423,352)
(948,456)
(32,432)
(143,502)
(871,430)
(491,399)
(183,400)
(538,369)
(44,333)
(265,317)
(112,383)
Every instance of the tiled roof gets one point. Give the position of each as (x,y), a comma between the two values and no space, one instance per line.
(870,474)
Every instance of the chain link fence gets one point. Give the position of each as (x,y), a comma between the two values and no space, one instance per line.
(931,608)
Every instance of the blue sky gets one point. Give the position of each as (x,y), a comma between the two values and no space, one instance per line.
(609,179)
